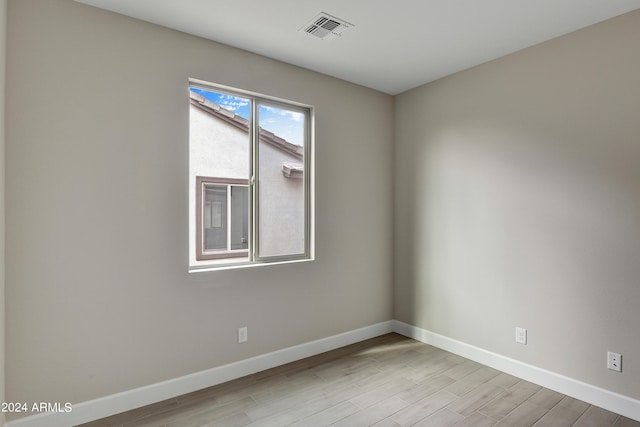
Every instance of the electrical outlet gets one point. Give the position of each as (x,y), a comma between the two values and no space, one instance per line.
(242,335)
(614,361)
(521,336)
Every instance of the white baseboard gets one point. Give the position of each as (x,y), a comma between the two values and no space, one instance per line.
(125,401)
(597,396)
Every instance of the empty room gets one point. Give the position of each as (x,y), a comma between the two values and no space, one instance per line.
(351,213)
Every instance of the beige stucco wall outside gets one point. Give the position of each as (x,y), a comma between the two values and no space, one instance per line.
(282,210)
(216,146)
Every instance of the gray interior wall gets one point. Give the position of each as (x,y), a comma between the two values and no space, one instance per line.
(517,194)
(3,39)
(98,295)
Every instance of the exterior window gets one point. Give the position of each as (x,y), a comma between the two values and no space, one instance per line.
(250,178)
(223,218)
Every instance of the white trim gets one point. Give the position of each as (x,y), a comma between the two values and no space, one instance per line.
(125,401)
(597,396)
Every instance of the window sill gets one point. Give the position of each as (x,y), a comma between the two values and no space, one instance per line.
(225,265)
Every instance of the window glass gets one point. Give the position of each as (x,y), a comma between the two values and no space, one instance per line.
(281,195)
(215,218)
(239,235)
(250,180)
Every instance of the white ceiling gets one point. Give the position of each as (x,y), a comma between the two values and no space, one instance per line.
(394,46)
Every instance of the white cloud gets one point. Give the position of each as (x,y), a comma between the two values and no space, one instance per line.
(232,103)
(294,115)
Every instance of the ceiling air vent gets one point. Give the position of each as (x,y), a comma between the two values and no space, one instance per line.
(325,26)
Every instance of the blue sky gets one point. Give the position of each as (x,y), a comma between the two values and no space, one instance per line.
(285,123)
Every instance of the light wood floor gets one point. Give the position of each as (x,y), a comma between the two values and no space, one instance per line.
(386,381)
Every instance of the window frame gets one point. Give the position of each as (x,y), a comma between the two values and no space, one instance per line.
(251,257)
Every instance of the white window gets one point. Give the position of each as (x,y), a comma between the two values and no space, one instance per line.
(250,178)
(222,218)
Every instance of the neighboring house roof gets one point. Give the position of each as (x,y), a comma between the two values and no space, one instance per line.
(241,123)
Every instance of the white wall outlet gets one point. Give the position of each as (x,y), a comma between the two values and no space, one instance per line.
(242,335)
(614,361)
(521,336)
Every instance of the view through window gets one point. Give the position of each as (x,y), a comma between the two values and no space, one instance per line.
(249,176)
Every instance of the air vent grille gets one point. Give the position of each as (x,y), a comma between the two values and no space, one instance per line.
(325,26)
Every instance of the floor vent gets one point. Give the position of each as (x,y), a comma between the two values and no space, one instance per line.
(325,26)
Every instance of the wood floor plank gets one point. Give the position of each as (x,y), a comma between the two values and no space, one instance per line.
(387,422)
(384,391)
(286,385)
(434,366)
(525,414)
(626,422)
(476,420)
(504,380)
(546,398)
(374,414)
(471,381)
(574,404)
(442,418)
(293,408)
(423,408)
(596,417)
(476,398)
(165,406)
(559,416)
(462,369)
(239,419)
(509,400)
(193,414)
(426,388)
(328,416)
